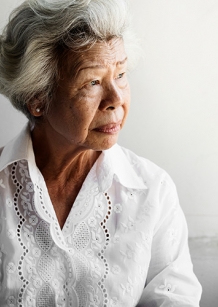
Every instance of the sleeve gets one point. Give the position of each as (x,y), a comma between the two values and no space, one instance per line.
(171,281)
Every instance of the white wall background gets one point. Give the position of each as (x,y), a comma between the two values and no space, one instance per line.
(11,121)
(174,114)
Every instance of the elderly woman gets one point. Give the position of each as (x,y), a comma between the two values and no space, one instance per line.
(84,222)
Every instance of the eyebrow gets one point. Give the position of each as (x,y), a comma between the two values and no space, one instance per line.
(102,66)
(122,62)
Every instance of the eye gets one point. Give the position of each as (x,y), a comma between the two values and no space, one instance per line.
(94,82)
(120,75)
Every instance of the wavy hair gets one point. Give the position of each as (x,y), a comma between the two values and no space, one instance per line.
(37,34)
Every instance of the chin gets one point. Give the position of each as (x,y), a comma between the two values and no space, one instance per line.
(108,147)
(105,145)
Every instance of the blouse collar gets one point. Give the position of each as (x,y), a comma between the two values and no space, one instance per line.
(17,149)
(111,164)
(114,164)
(20,148)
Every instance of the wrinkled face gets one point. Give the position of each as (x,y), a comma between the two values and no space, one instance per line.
(92,99)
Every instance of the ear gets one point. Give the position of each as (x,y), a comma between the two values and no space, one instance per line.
(35,108)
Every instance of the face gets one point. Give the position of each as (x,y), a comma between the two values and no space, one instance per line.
(92,99)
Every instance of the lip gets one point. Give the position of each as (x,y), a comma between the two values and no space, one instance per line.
(111,128)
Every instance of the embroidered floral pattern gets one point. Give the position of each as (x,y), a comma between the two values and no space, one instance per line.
(114,302)
(99,210)
(128,287)
(132,195)
(94,299)
(129,226)
(92,222)
(2,184)
(116,239)
(33,220)
(116,269)
(9,202)
(118,208)
(128,254)
(146,239)
(36,252)
(11,301)
(172,234)
(167,287)
(89,253)
(11,268)
(11,234)
(96,239)
(95,269)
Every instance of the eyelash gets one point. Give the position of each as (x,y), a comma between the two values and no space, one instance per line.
(120,75)
(96,82)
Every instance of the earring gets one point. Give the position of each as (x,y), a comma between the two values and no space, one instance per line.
(38,110)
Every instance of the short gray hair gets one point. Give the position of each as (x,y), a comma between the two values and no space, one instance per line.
(40,30)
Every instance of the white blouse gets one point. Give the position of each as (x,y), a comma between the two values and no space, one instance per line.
(123,244)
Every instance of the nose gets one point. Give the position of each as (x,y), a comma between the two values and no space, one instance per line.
(112,98)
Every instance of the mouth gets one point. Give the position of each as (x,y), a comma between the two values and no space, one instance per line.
(111,128)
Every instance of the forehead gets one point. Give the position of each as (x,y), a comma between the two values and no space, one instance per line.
(99,54)
(111,51)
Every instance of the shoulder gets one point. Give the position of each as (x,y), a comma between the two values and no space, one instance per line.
(161,194)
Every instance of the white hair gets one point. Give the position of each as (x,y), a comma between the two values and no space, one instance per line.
(37,34)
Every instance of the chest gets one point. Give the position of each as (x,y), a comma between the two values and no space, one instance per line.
(62,201)
(63,196)
(99,258)
(107,263)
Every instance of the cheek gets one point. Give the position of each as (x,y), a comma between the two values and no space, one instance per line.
(126,105)
(83,112)
(127,98)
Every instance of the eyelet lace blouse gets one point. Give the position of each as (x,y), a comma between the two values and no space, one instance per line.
(123,244)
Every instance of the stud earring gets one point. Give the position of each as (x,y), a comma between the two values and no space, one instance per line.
(38,110)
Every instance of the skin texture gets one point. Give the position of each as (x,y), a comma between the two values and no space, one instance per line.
(88,110)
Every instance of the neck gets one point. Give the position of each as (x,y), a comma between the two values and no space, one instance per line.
(59,163)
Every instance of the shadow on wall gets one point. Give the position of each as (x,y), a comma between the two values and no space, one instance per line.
(204,252)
